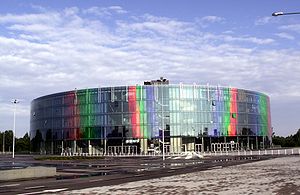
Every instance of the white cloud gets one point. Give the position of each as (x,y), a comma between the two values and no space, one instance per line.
(285,36)
(105,11)
(57,51)
(117,9)
(212,19)
(249,39)
(8,107)
(71,11)
(48,18)
(151,25)
(39,28)
(265,20)
(291,27)
(236,38)
(207,20)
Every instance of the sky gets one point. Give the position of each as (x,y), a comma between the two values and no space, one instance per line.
(53,46)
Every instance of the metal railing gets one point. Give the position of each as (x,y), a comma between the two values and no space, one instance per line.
(132,151)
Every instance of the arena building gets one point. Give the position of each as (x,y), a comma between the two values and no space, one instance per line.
(137,119)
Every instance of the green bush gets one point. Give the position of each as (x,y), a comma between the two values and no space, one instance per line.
(289,141)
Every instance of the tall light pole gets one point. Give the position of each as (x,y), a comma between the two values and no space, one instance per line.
(284,13)
(15,101)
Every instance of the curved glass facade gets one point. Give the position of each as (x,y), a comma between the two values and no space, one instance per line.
(141,112)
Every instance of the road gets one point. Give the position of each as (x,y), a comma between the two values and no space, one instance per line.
(79,174)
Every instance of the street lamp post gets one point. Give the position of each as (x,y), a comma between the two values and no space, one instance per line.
(284,13)
(15,101)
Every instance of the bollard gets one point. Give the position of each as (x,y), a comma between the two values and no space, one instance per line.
(292,151)
(285,151)
(258,152)
(250,152)
(245,153)
(272,152)
(266,152)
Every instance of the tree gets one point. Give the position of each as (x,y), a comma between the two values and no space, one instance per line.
(23,144)
(289,141)
(8,140)
(296,138)
(278,140)
(1,141)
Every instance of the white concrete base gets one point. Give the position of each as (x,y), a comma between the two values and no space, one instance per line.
(25,173)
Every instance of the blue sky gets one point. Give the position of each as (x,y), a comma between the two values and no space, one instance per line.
(52,46)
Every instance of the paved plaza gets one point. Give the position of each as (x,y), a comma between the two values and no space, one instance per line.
(274,176)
